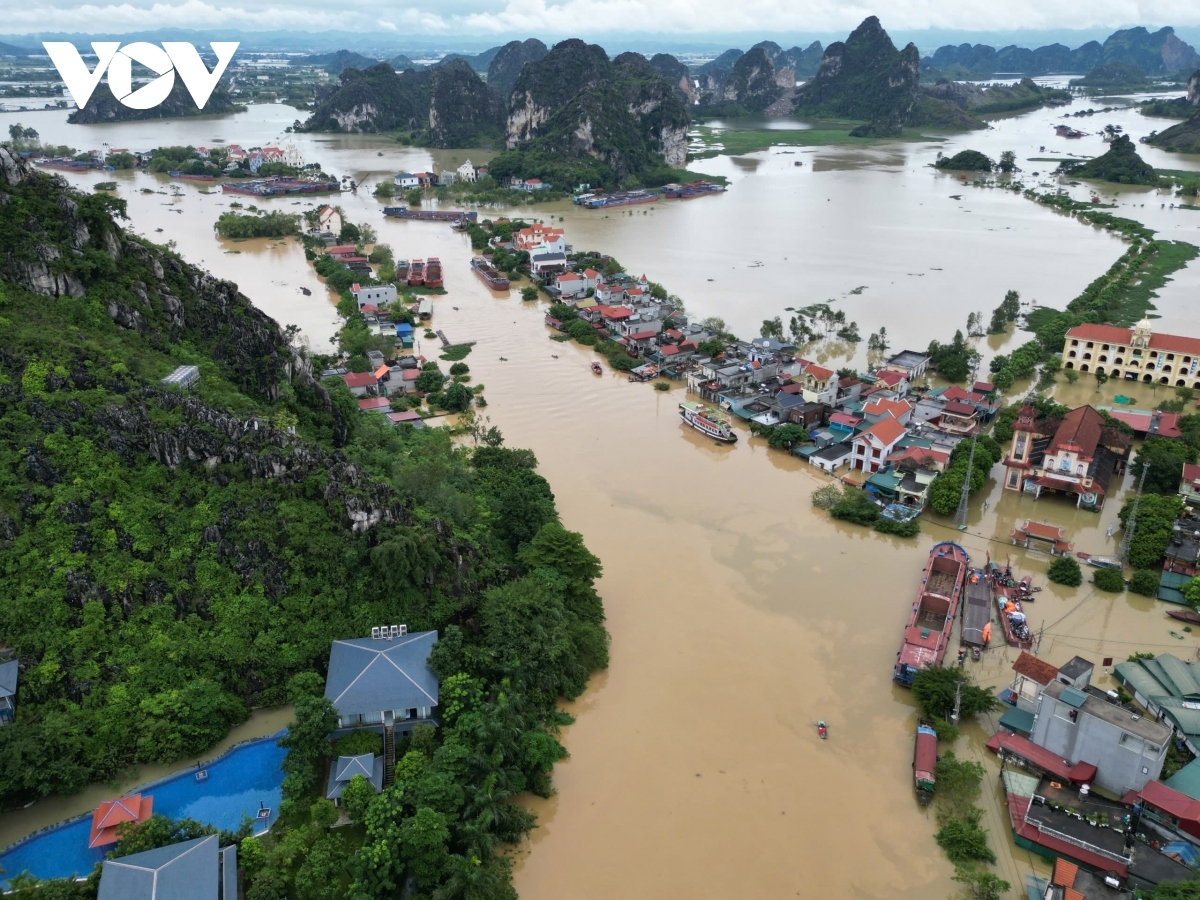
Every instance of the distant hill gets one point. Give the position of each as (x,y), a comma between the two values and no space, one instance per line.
(1000,98)
(576,116)
(1184,137)
(866,77)
(677,73)
(102,106)
(13,50)
(447,105)
(402,63)
(336,63)
(479,62)
(1158,53)
(751,86)
(508,62)
(1113,75)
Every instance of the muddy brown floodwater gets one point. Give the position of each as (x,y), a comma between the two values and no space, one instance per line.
(740,615)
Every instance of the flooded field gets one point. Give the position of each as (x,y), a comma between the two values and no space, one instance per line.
(739,614)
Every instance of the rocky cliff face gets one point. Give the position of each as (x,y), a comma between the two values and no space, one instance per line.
(69,245)
(508,62)
(1193,91)
(752,84)
(463,111)
(677,73)
(575,102)
(102,106)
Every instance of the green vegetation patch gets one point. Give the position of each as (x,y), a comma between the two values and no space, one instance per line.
(245,225)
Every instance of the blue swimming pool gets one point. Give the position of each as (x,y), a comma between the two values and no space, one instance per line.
(239,783)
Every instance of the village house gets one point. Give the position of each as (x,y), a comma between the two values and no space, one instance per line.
(406,181)
(570,284)
(1168,688)
(910,363)
(189,870)
(375,404)
(913,488)
(1189,485)
(344,768)
(544,264)
(1030,677)
(375,295)
(383,682)
(959,418)
(466,172)
(1135,354)
(831,457)
(900,410)
(1077,455)
(329,220)
(892,380)
(361,384)
(9,672)
(874,444)
(447,178)
(540,237)
(820,384)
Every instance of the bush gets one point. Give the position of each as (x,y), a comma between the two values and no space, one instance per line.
(459,368)
(964,841)
(662,385)
(911,528)
(1065,570)
(529,293)
(1108,580)
(1144,582)
(358,742)
(855,506)
(827,497)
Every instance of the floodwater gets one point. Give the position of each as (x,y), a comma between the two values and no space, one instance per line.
(739,615)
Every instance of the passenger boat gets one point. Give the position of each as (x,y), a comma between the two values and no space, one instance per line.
(416,272)
(692,189)
(1185,615)
(1009,595)
(621,198)
(707,421)
(925,761)
(932,618)
(489,275)
(433,272)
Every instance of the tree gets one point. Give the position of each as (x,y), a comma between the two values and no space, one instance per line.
(1065,570)
(772,328)
(1008,162)
(933,689)
(459,368)
(1110,580)
(1165,459)
(1178,890)
(457,398)
(424,839)
(715,324)
(529,293)
(1155,523)
(430,379)
(787,436)
(413,197)
(1101,379)
(711,347)
(1144,582)
(357,795)
(307,743)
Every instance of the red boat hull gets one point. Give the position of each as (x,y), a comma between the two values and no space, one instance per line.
(931,620)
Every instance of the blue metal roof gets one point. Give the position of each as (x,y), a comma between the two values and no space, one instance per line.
(184,871)
(371,675)
(8,678)
(1073,697)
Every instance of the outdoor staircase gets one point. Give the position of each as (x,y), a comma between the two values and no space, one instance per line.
(389,754)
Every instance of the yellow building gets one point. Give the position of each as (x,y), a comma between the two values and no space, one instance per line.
(1134,354)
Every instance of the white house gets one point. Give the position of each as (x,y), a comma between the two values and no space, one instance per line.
(571,284)
(406,180)
(329,219)
(875,444)
(831,458)
(466,172)
(375,295)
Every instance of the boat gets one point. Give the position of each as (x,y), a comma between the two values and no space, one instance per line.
(621,198)
(433,272)
(1068,132)
(822,729)
(489,275)
(1105,562)
(1010,594)
(692,189)
(431,215)
(183,176)
(597,369)
(401,271)
(977,610)
(1185,615)
(271,187)
(416,272)
(925,761)
(707,421)
(932,618)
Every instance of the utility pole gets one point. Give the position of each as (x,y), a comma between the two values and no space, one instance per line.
(1131,522)
(960,516)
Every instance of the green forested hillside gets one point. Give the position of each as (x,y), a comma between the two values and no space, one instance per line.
(169,561)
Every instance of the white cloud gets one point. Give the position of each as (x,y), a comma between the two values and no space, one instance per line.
(426,18)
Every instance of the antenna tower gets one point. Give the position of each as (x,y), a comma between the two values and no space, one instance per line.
(960,515)
(1131,522)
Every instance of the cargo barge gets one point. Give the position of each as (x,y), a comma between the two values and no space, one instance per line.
(433,272)
(416,272)
(272,187)
(692,189)
(925,762)
(932,618)
(430,215)
(183,176)
(488,275)
(621,198)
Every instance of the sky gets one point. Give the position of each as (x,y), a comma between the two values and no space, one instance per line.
(505,19)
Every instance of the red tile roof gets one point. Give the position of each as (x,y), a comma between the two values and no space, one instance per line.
(111,813)
(1080,773)
(792,388)
(954,392)
(381,371)
(890,377)
(359,379)
(844,419)
(886,431)
(410,374)
(1064,873)
(960,409)
(818,372)
(409,415)
(983,387)
(1080,431)
(1109,334)
(1036,669)
(1174,343)
(374,403)
(1046,532)
(616,312)
(591,273)
(920,455)
(569,276)
(1191,473)
(1170,801)
(668,350)
(1168,423)
(642,335)
(894,408)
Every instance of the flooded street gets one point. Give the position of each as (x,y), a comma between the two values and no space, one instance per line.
(739,614)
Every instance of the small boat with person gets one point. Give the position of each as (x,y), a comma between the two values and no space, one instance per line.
(707,421)
(822,729)
(1185,615)
(925,761)
(597,369)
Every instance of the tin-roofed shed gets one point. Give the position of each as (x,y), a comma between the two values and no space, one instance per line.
(183,377)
